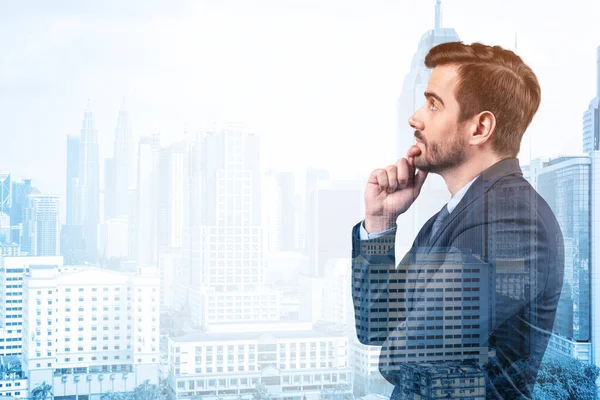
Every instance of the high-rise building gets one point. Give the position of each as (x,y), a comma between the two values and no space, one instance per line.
(272,215)
(565,182)
(119,170)
(591,117)
(11,298)
(74,197)
(42,226)
(110,188)
(435,193)
(173,196)
(338,204)
(286,228)
(225,263)
(125,177)
(20,191)
(89,180)
(144,225)
(87,331)
(5,195)
(230,209)
(113,238)
(307,228)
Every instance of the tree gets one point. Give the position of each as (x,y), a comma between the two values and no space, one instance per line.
(147,391)
(558,378)
(566,378)
(261,392)
(115,396)
(42,391)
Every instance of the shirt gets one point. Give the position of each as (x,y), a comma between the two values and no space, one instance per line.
(364,235)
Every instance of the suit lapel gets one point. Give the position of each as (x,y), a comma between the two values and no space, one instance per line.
(427,261)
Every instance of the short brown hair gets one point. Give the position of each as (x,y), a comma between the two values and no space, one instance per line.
(493,79)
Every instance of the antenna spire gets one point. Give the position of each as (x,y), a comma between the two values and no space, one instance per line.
(438,14)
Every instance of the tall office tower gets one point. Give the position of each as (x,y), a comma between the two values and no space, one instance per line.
(113,238)
(119,172)
(89,181)
(144,226)
(42,225)
(313,176)
(226,266)
(286,181)
(132,226)
(72,244)
(124,162)
(337,207)
(87,330)
(271,214)
(565,183)
(110,188)
(173,195)
(5,195)
(19,193)
(594,254)
(11,299)
(231,214)
(435,192)
(591,117)
(74,197)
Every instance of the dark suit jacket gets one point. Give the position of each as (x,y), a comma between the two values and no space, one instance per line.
(485,291)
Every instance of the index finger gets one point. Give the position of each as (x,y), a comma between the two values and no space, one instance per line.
(411,170)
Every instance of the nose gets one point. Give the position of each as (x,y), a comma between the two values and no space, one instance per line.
(415,123)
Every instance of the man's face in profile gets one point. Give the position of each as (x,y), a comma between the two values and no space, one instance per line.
(442,142)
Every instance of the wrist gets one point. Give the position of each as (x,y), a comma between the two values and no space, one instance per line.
(376,224)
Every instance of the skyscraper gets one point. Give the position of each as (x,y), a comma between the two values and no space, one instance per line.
(110,188)
(42,225)
(144,224)
(5,196)
(591,117)
(124,167)
(19,193)
(172,194)
(287,227)
(89,180)
(73,190)
(565,183)
(411,99)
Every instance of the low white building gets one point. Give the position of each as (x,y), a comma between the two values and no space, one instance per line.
(12,271)
(88,330)
(291,359)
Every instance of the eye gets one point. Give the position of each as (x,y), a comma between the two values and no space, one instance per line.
(433,105)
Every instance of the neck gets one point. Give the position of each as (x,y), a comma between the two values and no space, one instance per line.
(456,178)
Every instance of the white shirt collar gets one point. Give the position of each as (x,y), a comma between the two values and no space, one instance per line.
(459,195)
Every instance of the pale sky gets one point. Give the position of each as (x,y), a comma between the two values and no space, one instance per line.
(317,80)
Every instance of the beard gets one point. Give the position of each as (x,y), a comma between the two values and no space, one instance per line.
(438,157)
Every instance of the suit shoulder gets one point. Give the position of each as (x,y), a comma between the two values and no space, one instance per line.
(513,192)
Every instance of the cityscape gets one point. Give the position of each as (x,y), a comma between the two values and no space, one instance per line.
(184,270)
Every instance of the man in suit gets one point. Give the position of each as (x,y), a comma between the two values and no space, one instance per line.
(479,288)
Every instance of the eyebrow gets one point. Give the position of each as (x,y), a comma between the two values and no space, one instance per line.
(435,96)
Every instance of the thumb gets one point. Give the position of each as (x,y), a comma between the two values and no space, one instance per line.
(419,180)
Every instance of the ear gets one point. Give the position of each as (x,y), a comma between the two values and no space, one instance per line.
(485,124)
